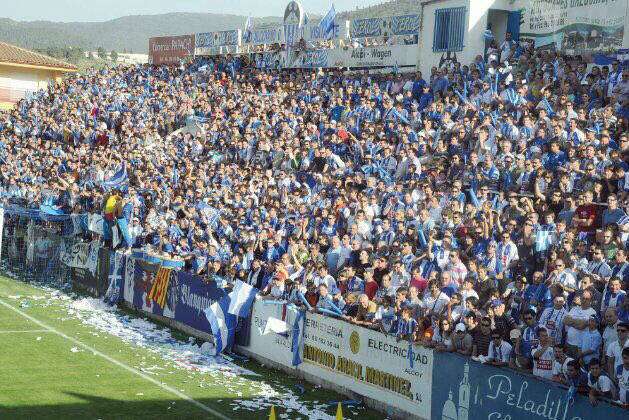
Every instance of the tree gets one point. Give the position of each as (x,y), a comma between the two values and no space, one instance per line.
(124,50)
(101,52)
(90,55)
(113,55)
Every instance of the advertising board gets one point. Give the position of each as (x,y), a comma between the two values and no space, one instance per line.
(170,49)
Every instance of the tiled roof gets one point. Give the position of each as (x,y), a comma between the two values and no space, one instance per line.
(13,54)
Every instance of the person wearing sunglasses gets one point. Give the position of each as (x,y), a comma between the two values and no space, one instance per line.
(615,349)
(500,351)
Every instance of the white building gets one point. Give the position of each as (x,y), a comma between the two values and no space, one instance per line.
(457,27)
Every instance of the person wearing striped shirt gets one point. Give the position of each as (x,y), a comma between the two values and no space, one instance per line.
(622,376)
(407,326)
(552,319)
(613,295)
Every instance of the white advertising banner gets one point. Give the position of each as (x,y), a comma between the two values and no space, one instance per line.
(386,55)
(364,361)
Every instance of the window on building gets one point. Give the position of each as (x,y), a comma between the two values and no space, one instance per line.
(449,29)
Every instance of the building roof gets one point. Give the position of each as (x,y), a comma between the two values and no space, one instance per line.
(14,54)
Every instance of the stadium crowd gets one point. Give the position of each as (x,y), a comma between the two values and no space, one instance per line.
(480,209)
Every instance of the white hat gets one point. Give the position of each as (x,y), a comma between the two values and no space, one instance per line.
(460,327)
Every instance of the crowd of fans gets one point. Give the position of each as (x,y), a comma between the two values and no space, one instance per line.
(481,209)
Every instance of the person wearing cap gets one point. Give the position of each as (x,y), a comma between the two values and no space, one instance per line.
(500,320)
(461,340)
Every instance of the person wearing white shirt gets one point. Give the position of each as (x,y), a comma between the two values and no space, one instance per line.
(600,384)
(622,378)
(552,319)
(500,351)
(324,278)
(467,290)
(507,253)
(543,356)
(564,277)
(609,333)
(577,321)
(615,349)
(560,365)
(436,300)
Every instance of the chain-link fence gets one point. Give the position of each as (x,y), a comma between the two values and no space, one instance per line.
(43,250)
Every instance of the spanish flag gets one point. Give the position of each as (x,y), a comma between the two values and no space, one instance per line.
(160,286)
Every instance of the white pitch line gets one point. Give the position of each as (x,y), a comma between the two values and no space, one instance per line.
(117,363)
(25,331)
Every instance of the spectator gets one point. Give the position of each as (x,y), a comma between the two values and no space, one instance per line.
(599,383)
(543,356)
(615,349)
(500,351)
(462,341)
(553,319)
(482,338)
(576,322)
(560,365)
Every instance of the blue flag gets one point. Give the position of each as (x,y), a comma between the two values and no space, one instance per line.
(116,270)
(327,23)
(543,239)
(223,324)
(117,179)
(242,297)
(298,337)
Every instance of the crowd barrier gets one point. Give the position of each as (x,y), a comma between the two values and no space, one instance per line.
(375,367)
(401,379)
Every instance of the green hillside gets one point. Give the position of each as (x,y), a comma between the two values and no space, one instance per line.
(131,33)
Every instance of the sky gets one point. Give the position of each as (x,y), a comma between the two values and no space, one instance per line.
(98,11)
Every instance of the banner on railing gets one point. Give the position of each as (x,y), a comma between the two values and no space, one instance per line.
(462,388)
(386,56)
(169,293)
(165,261)
(270,59)
(96,223)
(262,36)
(313,32)
(384,26)
(94,281)
(76,256)
(364,361)
(207,41)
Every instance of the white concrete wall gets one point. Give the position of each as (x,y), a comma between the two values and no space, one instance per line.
(476,23)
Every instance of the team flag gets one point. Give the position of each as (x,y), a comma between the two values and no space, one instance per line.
(160,286)
(223,324)
(242,297)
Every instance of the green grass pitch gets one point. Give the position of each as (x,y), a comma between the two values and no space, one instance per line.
(45,374)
